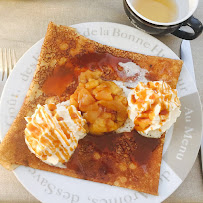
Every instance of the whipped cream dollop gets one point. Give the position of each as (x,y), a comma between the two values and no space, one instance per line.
(53,131)
(153,107)
(135,74)
(132,70)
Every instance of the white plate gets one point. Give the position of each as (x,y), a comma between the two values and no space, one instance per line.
(181,145)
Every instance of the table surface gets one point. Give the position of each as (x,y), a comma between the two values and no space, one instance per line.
(23,23)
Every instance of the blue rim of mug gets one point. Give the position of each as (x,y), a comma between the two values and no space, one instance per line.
(159,23)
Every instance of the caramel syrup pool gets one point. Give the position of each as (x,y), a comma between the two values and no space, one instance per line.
(164,11)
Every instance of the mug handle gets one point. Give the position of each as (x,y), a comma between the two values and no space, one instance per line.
(195,24)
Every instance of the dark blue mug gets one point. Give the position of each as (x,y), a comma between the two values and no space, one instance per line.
(185,18)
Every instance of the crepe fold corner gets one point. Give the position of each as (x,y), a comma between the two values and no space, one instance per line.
(62,43)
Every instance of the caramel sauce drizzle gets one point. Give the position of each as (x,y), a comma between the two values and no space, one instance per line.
(48,137)
(112,149)
(63,76)
(144,119)
(141,148)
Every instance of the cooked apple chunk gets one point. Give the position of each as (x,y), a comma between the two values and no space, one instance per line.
(102,103)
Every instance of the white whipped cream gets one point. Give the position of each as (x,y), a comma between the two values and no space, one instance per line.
(131,69)
(53,135)
(153,107)
(126,127)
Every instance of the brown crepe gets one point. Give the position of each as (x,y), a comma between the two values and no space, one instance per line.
(126,160)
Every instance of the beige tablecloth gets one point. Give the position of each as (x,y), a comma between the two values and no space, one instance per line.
(23,23)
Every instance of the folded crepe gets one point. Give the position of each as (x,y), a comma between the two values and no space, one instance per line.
(127,159)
